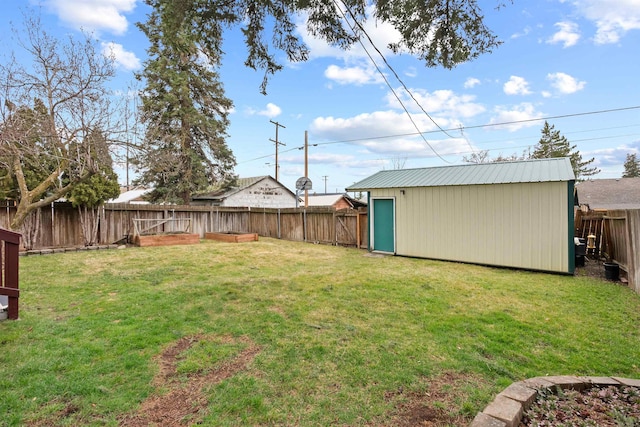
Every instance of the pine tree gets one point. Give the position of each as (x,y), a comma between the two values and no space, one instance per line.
(88,195)
(185,112)
(631,166)
(440,32)
(552,144)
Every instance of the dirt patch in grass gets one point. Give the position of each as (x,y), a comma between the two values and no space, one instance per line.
(184,401)
(439,405)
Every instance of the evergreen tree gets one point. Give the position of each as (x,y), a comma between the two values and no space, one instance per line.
(553,144)
(631,166)
(439,32)
(184,109)
(90,194)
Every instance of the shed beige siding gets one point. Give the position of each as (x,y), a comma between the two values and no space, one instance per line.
(521,225)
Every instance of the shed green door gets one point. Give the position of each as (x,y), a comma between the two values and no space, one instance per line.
(383,225)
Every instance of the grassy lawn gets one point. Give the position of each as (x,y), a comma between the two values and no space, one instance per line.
(341,337)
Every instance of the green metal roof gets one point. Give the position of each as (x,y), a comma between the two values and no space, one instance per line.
(539,170)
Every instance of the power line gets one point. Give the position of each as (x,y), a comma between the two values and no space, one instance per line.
(482,126)
(457,153)
(487,125)
(385,78)
(384,59)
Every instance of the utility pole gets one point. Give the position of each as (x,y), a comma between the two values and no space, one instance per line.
(306,166)
(277,142)
(324,178)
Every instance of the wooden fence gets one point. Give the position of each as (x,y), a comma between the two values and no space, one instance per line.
(9,267)
(60,224)
(617,237)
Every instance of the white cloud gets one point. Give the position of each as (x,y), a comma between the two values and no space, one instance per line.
(471,82)
(271,110)
(123,59)
(567,34)
(523,33)
(564,83)
(517,117)
(339,159)
(411,72)
(357,75)
(613,19)
(612,156)
(516,86)
(388,133)
(443,102)
(95,15)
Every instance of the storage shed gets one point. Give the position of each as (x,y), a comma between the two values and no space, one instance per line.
(512,214)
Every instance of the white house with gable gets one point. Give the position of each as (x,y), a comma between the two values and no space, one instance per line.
(255,192)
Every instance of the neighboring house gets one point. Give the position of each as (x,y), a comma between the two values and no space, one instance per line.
(256,192)
(621,193)
(513,214)
(131,196)
(337,201)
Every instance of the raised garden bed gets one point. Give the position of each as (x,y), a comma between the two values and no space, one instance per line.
(167,239)
(232,237)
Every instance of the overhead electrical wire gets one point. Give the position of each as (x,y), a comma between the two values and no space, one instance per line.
(563,116)
(384,59)
(385,78)
(488,125)
(483,126)
(511,147)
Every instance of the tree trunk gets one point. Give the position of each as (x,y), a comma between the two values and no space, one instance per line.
(30,229)
(22,212)
(89,225)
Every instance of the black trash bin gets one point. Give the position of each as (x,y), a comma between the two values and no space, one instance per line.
(580,251)
(611,271)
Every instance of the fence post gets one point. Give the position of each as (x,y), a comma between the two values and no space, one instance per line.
(279,234)
(632,220)
(304,225)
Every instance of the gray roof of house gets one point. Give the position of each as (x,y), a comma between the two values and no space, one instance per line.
(540,170)
(621,193)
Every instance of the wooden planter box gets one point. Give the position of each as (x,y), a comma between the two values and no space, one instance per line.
(232,237)
(167,239)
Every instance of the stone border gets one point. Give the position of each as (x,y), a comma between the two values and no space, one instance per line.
(508,407)
(71,249)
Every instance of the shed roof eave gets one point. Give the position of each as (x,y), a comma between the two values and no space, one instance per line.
(351,189)
(538,170)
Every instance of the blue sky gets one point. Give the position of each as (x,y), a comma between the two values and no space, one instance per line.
(575,63)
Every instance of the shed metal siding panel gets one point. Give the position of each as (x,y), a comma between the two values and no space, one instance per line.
(520,225)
